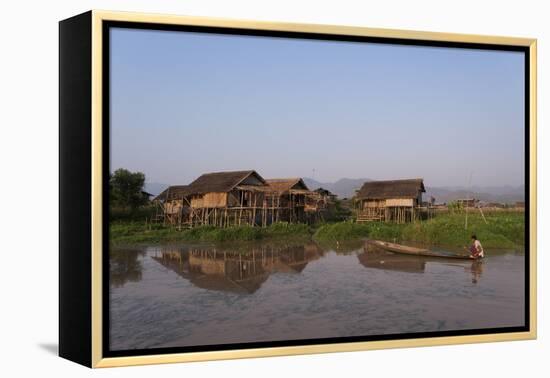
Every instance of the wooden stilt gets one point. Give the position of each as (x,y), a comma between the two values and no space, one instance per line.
(254,210)
(241,210)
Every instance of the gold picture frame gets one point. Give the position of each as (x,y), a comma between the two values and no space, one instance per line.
(92,25)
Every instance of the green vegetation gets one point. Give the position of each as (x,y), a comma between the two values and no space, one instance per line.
(339,211)
(503,230)
(126,214)
(126,233)
(343,231)
(455,206)
(126,189)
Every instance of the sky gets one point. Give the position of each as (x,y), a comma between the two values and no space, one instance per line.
(183,104)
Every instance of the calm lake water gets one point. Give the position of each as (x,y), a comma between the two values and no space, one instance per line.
(183,295)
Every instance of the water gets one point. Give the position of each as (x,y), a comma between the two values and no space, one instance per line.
(184,295)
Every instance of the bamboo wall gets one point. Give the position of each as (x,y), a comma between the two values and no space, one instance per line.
(395,210)
(242,206)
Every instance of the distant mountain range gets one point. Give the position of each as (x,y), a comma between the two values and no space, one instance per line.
(154,188)
(345,188)
(499,194)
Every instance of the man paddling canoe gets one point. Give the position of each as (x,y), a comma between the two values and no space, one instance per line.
(476,249)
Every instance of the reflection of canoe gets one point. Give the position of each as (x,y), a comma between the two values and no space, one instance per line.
(404,249)
(381,259)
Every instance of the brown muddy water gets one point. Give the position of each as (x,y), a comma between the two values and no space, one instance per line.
(185,295)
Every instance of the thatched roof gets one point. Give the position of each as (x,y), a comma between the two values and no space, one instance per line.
(221,182)
(173,192)
(216,182)
(391,189)
(286,184)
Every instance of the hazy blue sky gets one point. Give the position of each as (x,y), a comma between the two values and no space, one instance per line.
(185,103)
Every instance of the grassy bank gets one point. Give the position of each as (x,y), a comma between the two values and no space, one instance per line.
(343,231)
(125,233)
(503,230)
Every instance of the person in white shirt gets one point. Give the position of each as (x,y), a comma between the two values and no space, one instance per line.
(476,249)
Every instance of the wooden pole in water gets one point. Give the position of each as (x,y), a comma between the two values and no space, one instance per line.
(278,207)
(241,210)
(482,215)
(254,210)
(469,185)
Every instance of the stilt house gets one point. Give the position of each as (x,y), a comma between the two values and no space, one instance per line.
(391,201)
(227,198)
(173,204)
(288,196)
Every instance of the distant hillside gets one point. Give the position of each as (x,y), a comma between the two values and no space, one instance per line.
(155,188)
(343,188)
(501,194)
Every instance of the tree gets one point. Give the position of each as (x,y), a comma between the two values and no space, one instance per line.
(126,189)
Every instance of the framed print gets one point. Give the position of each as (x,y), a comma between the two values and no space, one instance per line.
(234,189)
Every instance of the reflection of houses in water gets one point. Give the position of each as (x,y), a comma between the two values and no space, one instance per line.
(224,271)
(124,266)
(231,269)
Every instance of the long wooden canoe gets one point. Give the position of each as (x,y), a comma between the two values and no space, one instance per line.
(404,249)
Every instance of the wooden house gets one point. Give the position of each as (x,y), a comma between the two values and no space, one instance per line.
(172,204)
(227,198)
(324,198)
(326,194)
(234,198)
(318,204)
(391,201)
(222,199)
(288,197)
